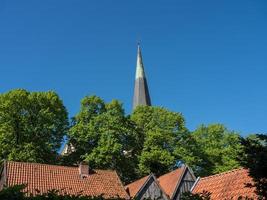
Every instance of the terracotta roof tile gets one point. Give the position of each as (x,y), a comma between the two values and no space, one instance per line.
(227,185)
(42,178)
(170,180)
(134,187)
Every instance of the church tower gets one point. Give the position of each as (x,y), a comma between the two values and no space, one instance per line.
(141,93)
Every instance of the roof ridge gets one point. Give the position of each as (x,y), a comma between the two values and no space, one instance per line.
(105,183)
(53,165)
(42,164)
(222,173)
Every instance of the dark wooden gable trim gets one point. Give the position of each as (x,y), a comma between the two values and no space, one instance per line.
(179,182)
(149,180)
(3,175)
(143,186)
(163,191)
(178,186)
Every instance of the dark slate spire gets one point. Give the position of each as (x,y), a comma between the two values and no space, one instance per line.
(141,93)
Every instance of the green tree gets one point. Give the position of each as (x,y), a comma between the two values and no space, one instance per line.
(190,152)
(32,125)
(17,192)
(201,196)
(254,157)
(220,146)
(104,136)
(161,129)
(13,193)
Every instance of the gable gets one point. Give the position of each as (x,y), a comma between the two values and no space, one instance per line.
(151,190)
(177,181)
(134,187)
(146,188)
(170,180)
(186,183)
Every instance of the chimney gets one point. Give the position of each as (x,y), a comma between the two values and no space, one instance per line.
(83,169)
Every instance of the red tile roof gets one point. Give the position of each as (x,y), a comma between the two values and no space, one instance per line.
(42,178)
(170,180)
(227,185)
(134,187)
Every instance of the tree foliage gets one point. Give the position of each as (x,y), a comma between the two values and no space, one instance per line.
(12,193)
(16,193)
(161,129)
(32,125)
(254,157)
(201,196)
(221,148)
(151,139)
(104,136)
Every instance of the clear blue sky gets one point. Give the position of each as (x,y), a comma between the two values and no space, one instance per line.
(206,59)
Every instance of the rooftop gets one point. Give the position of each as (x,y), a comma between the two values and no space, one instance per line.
(40,178)
(134,187)
(167,182)
(227,185)
(170,180)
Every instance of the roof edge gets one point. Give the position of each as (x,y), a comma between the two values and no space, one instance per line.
(196,182)
(157,182)
(222,173)
(44,164)
(142,187)
(128,196)
(179,181)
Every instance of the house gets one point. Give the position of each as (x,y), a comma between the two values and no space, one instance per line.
(227,185)
(40,178)
(178,181)
(146,188)
(168,186)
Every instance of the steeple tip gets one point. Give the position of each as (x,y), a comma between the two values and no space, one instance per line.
(138,49)
(141,93)
(138,43)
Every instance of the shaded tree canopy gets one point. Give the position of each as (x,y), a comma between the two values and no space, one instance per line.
(254,157)
(201,196)
(17,192)
(32,125)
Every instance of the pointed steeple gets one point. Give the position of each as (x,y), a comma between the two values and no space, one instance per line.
(141,93)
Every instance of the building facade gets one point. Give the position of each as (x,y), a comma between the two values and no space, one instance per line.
(168,186)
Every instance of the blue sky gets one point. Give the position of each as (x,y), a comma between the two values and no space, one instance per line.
(206,59)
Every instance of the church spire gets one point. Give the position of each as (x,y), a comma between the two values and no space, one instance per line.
(141,93)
